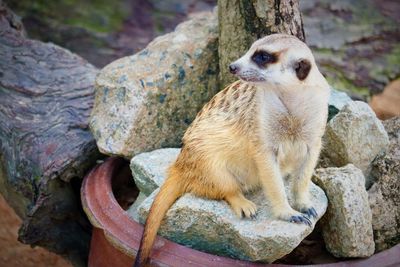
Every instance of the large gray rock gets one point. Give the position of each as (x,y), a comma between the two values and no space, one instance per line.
(384,196)
(211,226)
(146,101)
(346,226)
(355,135)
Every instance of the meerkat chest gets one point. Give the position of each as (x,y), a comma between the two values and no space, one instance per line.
(292,119)
(287,127)
(291,126)
(290,140)
(291,155)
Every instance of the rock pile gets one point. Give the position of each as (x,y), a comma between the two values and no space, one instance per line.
(355,135)
(146,101)
(346,226)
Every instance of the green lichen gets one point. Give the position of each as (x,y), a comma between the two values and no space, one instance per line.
(95,15)
(343,84)
(340,81)
(161,18)
(393,60)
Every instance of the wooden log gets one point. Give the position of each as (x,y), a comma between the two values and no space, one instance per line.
(46,95)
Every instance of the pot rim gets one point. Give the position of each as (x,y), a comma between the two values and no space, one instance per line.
(124,233)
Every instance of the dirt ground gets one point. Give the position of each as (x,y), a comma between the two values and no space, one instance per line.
(16,254)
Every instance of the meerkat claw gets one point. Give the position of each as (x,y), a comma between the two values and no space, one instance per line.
(310,212)
(300,219)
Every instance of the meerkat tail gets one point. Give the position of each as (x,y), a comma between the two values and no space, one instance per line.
(169,192)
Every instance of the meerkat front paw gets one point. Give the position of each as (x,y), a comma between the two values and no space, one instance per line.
(242,207)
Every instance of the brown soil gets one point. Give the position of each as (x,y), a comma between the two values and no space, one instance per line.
(16,254)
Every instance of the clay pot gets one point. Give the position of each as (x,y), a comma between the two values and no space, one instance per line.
(116,236)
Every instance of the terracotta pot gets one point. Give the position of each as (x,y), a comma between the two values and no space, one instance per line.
(116,236)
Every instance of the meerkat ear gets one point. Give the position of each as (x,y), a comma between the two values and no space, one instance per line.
(302,68)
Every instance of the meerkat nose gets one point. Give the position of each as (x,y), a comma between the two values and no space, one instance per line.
(233,68)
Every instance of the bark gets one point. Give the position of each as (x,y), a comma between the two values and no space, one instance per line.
(46,95)
(241,22)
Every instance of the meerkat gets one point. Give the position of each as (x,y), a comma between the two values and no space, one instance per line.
(261,129)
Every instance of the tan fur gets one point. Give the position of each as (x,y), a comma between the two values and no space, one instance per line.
(251,134)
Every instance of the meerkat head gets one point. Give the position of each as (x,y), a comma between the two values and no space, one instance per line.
(277,59)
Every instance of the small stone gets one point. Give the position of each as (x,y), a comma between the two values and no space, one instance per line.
(337,101)
(384,197)
(346,226)
(355,135)
(148,169)
(146,101)
(211,226)
(133,209)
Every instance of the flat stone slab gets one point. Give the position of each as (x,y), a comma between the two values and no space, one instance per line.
(211,226)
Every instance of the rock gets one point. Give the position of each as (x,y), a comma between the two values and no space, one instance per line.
(211,226)
(148,169)
(46,94)
(337,101)
(133,209)
(346,226)
(384,197)
(356,136)
(392,128)
(146,101)
(344,37)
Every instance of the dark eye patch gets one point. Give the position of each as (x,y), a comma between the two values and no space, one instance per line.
(262,58)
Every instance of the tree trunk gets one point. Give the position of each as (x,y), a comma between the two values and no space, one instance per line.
(241,22)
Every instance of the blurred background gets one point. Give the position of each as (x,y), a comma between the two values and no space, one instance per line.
(356,42)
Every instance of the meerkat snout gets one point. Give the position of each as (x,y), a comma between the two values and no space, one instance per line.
(233,68)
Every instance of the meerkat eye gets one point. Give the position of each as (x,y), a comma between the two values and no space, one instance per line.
(262,58)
